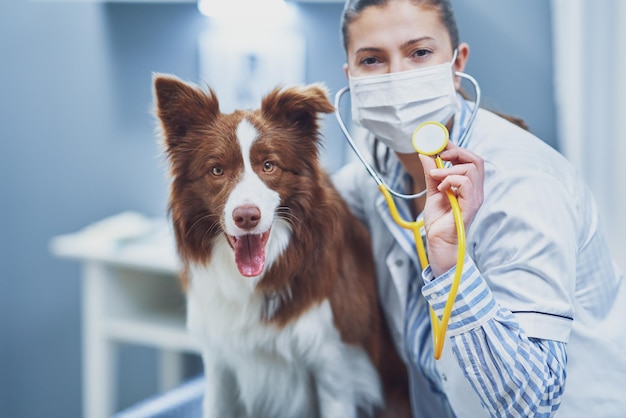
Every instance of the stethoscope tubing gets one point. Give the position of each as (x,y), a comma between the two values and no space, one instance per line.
(353,145)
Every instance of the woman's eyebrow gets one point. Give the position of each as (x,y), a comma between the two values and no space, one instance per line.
(368,49)
(406,44)
(412,42)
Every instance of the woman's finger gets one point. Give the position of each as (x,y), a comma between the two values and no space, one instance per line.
(469,170)
(458,155)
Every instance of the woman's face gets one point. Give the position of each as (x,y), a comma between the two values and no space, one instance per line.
(396,37)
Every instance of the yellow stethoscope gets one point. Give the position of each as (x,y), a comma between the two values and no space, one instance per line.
(429,138)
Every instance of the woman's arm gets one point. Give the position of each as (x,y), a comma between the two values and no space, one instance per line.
(526,238)
(513,375)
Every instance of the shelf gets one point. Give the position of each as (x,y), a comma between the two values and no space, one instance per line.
(156,332)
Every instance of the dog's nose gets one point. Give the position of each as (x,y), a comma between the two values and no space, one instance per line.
(246,217)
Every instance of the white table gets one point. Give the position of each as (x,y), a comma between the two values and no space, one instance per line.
(131,295)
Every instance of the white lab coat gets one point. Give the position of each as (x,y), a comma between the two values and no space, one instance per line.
(548,264)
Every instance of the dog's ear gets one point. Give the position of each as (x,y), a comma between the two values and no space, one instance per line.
(297,106)
(180,105)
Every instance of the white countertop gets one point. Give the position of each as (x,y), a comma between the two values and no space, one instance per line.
(128,239)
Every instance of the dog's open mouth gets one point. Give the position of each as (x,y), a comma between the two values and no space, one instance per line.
(249,252)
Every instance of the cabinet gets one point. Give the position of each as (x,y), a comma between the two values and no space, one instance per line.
(130,295)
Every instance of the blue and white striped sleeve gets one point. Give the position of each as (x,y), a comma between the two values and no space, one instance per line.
(514,375)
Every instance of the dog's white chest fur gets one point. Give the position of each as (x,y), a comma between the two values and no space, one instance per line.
(256,369)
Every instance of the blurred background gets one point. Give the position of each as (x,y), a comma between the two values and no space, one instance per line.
(78,143)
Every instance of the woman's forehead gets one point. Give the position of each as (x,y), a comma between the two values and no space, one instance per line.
(393,24)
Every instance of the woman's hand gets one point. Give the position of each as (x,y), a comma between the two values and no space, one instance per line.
(465,178)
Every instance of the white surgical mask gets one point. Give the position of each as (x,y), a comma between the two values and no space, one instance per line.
(392,105)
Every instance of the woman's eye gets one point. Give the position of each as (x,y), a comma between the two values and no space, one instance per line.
(268,166)
(217,171)
(421,53)
(369,61)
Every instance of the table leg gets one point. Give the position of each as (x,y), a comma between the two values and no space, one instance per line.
(99,368)
(171,369)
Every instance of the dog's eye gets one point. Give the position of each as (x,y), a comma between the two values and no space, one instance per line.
(268,166)
(217,171)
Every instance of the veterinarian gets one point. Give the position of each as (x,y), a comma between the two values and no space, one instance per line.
(538,323)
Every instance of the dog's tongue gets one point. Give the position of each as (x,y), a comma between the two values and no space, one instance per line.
(250,255)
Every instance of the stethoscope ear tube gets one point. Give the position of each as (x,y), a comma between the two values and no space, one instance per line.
(477,99)
(377,178)
(346,133)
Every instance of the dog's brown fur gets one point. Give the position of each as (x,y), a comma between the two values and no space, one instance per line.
(329,255)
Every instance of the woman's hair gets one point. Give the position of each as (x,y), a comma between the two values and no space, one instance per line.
(353,8)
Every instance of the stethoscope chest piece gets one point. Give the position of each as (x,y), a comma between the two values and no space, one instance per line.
(430,138)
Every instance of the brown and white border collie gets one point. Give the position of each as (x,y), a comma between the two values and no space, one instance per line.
(279,275)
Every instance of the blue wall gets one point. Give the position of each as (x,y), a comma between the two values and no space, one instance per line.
(77,144)
(511,57)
